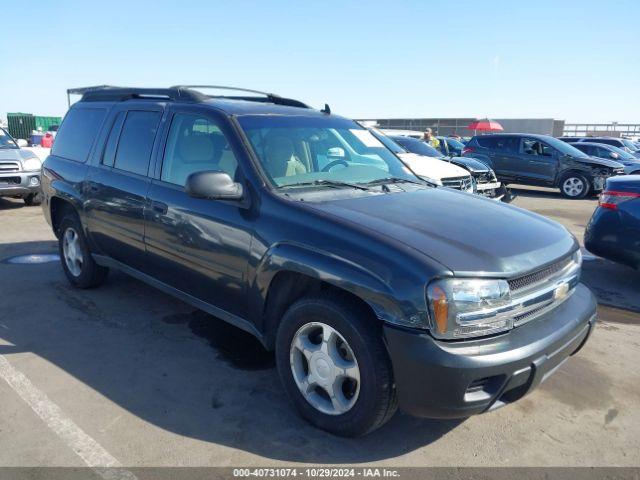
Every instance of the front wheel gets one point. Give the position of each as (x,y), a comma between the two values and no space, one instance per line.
(574,185)
(334,365)
(33,199)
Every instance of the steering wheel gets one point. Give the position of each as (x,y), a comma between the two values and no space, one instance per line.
(330,165)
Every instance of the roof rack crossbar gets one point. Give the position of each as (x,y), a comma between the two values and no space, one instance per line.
(269,97)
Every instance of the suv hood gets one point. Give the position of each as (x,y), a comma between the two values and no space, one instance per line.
(467,234)
(471,164)
(599,161)
(18,154)
(432,167)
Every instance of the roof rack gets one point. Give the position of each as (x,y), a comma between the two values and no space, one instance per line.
(107,93)
(101,93)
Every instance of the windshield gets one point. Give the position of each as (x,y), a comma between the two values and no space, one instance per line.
(565,148)
(414,145)
(629,144)
(6,141)
(622,153)
(387,142)
(455,143)
(320,152)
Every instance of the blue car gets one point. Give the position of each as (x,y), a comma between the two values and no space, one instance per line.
(614,229)
(609,152)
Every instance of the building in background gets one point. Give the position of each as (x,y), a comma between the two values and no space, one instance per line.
(458,126)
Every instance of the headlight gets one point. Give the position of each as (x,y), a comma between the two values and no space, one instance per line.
(435,181)
(32,164)
(460,308)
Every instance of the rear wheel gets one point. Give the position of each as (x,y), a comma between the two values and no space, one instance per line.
(78,265)
(574,185)
(334,365)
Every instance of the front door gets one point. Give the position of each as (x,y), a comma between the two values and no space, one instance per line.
(539,161)
(198,246)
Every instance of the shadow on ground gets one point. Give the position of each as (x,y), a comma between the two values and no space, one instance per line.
(178,368)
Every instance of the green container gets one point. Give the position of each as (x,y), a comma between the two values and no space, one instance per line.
(46,122)
(20,125)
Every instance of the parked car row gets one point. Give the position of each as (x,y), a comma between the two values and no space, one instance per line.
(19,171)
(371,284)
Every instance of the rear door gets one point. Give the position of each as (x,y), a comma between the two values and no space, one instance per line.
(118,183)
(503,154)
(198,246)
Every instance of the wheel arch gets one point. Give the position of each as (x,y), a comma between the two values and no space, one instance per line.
(289,272)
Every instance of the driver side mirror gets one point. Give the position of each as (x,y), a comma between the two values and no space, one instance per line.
(22,142)
(214,185)
(614,155)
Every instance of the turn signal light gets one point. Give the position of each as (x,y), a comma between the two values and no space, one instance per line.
(440,309)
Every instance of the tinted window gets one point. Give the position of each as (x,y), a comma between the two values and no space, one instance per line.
(588,149)
(77,133)
(487,142)
(195,143)
(109,153)
(136,141)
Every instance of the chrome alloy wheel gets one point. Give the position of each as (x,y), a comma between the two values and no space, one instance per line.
(324,368)
(72,252)
(573,186)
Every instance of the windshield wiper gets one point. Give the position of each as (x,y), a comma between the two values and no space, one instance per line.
(382,181)
(329,183)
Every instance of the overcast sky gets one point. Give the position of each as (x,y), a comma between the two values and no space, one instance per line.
(572,60)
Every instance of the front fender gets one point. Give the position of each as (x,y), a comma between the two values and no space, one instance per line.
(336,270)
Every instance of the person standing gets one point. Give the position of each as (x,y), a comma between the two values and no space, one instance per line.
(429,138)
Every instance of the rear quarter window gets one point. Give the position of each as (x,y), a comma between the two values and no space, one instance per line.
(78,132)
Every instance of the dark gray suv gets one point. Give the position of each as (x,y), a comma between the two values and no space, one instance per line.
(542,160)
(374,288)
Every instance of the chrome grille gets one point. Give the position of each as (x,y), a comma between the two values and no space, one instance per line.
(9,167)
(539,276)
(458,183)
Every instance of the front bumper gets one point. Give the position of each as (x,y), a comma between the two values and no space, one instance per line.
(18,184)
(439,379)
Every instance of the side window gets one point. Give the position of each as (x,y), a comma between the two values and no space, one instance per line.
(77,133)
(488,141)
(109,154)
(195,143)
(531,146)
(603,153)
(136,141)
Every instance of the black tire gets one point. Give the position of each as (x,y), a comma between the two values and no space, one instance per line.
(90,273)
(33,199)
(377,399)
(570,185)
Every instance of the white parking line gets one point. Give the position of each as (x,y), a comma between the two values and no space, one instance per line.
(90,451)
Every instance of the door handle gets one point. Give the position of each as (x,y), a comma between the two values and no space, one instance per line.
(159,207)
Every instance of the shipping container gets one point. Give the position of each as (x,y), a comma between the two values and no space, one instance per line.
(47,122)
(21,125)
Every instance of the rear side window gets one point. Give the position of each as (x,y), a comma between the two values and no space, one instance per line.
(109,154)
(487,142)
(136,141)
(77,133)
